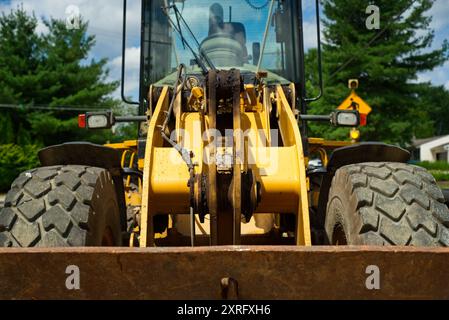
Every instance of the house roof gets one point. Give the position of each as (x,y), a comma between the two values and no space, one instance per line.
(419,142)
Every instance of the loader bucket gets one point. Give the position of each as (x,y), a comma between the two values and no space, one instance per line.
(281,272)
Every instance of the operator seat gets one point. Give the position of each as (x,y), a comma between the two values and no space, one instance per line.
(226,41)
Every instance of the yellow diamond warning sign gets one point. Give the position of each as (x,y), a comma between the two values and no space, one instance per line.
(354,102)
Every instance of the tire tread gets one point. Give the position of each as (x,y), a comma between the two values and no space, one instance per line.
(49,206)
(398,203)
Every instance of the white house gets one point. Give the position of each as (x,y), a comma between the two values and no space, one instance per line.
(432,149)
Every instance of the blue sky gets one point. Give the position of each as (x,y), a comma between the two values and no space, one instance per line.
(105,17)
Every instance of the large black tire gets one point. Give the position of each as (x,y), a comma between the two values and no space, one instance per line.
(386,204)
(61,206)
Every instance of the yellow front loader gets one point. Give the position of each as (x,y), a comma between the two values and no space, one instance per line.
(223,194)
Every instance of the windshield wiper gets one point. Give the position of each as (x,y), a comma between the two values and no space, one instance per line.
(200,57)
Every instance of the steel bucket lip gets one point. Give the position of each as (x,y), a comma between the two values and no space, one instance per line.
(240,248)
(262,272)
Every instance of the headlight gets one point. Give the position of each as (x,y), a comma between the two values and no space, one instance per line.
(96,120)
(345,118)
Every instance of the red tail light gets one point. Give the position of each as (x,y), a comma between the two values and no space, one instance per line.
(363,119)
(82,121)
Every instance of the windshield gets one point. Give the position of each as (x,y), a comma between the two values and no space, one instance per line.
(228,34)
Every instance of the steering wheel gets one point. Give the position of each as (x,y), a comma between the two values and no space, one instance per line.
(257,7)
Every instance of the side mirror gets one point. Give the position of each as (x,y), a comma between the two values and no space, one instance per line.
(256,53)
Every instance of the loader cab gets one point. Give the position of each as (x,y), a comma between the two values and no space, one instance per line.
(230,33)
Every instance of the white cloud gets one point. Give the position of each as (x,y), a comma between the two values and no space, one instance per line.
(439,76)
(310,36)
(105,19)
(439,14)
(440,23)
(132,71)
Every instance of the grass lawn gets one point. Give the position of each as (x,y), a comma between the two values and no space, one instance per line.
(443,184)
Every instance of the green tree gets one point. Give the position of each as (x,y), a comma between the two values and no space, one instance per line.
(15,159)
(386,61)
(20,57)
(50,70)
(46,80)
(434,102)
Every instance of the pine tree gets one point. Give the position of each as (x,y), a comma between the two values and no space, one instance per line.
(435,103)
(48,70)
(19,59)
(386,61)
